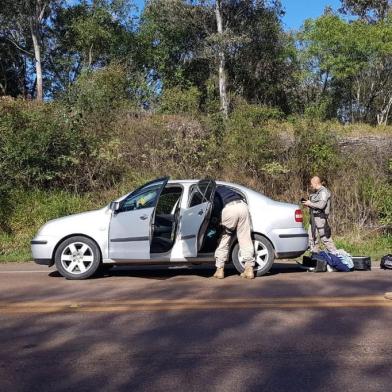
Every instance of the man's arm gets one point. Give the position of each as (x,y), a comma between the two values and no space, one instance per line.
(319,204)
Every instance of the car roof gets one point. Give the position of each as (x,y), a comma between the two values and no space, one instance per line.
(230,184)
(197,180)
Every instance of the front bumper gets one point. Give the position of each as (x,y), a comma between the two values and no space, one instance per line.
(42,249)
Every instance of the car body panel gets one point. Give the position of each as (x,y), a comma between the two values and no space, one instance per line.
(93,224)
(191,220)
(272,219)
(131,229)
(194,219)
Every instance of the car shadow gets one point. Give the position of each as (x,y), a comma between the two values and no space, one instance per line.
(155,272)
(165,272)
(285,268)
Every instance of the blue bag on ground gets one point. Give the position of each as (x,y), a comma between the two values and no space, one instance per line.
(345,258)
(332,260)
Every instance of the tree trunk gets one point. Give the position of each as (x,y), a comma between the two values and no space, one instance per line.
(90,56)
(382,118)
(224,104)
(38,61)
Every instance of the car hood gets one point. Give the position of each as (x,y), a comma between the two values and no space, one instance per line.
(81,220)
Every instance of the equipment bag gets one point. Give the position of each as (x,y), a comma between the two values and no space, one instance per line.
(362,263)
(332,260)
(314,265)
(386,262)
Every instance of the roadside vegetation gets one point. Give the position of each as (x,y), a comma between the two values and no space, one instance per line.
(125,101)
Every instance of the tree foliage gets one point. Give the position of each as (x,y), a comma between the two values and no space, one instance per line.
(211,53)
(352,64)
(368,10)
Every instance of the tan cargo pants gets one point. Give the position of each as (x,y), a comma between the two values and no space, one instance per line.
(235,217)
(323,231)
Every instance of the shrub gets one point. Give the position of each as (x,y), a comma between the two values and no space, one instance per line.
(315,150)
(180,101)
(250,143)
(174,145)
(39,144)
(47,145)
(100,91)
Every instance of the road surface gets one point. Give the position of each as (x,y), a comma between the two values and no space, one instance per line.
(180,330)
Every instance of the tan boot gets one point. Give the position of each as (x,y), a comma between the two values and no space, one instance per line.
(248,273)
(220,273)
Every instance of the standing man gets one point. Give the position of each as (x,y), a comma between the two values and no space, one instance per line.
(235,218)
(319,204)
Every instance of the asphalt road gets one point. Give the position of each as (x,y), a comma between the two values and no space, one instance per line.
(179,330)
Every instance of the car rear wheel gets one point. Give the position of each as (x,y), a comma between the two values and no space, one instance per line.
(264,256)
(77,258)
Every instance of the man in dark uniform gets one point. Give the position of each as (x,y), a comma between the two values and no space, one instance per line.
(235,218)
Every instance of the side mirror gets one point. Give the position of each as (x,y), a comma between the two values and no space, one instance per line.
(114,206)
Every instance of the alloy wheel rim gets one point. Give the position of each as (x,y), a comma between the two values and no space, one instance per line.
(77,258)
(261,255)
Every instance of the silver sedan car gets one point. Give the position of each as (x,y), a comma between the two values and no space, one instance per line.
(167,222)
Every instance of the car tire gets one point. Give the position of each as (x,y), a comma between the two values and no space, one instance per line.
(77,258)
(264,255)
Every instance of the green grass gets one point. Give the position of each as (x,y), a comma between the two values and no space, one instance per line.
(16,257)
(375,247)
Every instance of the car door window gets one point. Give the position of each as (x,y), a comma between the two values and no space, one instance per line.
(206,188)
(146,199)
(201,192)
(196,197)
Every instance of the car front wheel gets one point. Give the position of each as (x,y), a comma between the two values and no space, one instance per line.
(77,258)
(264,255)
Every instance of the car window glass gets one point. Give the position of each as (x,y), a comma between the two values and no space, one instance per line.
(206,188)
(168,199)
(146,198)
(196,197)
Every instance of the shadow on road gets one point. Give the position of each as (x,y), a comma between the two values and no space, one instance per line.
(165,272)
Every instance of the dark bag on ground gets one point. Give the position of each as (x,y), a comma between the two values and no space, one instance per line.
(386,262)
(362,263)
(315,264)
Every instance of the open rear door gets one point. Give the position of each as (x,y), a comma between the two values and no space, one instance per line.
(130,226)
(195,218)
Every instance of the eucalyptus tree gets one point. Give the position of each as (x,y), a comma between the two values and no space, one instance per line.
(25,24)
(240,44)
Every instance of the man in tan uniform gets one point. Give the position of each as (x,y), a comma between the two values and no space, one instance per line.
(319,204)
(235,218)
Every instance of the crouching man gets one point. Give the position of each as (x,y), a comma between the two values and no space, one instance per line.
(235,218)
(319,204)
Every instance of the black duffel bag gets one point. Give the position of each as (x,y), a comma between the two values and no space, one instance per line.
(314,264)
(386,262)
(362,263)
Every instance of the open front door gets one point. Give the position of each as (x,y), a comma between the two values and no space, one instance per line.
(130,226)
(195,218)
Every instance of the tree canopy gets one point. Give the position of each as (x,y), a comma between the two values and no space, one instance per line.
(220,51)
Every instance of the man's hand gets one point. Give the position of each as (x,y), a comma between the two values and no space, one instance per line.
(306,203)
